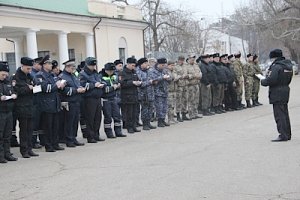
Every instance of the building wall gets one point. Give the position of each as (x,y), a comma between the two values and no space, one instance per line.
(107,41)
(5,47)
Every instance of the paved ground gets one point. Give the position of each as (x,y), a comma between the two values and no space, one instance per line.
(227,156)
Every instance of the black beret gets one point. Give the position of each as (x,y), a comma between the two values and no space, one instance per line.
(276,53)
(38,60)
(117,62)
(238,55)
(230,56)
(54,64)
(4,66)
(162,61)
(131,60)
(69,62)
(249,55)
(215,55)
(91,61)
(81,65)
(27,61)
(141,61)
(46,59)
(255,56)
(224,55)
(205,56)
(109,66)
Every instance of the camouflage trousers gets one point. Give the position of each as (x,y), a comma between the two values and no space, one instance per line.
(255,88)
(193,100)
(248,88)
(206,96)
(171,104)
(181,99)
(146,110)
(239,90)
(217,94)
(161,107)
(200,97)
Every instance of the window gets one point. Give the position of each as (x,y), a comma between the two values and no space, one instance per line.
(71,53)
(122,54)
(43,53)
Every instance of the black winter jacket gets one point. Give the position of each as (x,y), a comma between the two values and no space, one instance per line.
(129,92)
(24,102)
(278,79)
(6,90)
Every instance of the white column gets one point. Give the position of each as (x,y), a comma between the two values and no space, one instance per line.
(32,50)
(89,44)
(63,47)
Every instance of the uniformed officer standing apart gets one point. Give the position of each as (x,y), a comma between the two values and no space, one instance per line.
(248,72)
(111,109)
(129,95)
(90,80)
(70,100)
(146,92)
(24,105)
(7,96)
(49,104)
(278,79)
(162,77)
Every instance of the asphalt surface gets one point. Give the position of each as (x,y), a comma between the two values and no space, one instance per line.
(226,156)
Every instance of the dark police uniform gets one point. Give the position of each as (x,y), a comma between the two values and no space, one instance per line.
(6,118)
(92,100)
(111,109)
(71,99)
(129,96)
(50,106)
(24,108)
(278,79)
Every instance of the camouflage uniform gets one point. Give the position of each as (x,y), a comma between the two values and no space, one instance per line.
(256,82)
(238,71)
(172,89)
(248,72)
(146,94)
(180,72)
(193,89)
(160,92)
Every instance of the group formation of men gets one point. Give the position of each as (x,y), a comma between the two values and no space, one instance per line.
(49,103)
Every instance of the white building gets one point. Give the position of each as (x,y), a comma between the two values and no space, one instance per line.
(69,29)
(223,43)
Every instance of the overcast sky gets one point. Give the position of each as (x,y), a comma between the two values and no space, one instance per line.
(211,10)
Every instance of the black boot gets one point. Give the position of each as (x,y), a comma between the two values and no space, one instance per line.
(217,110)
(179,118)
(160,123)
(254,103)
(258,102)
(206,112)
(248,104)
(146,126)
(185,118)
(9,157)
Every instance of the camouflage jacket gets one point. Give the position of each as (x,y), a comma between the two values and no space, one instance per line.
(181,75)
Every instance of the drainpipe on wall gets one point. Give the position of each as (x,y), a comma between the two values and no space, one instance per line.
(144,46)
(94,31)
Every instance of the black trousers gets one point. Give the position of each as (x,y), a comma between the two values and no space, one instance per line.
(6,126)
(71,119)
(37,126)
(230,99)
(281,115)
(130,111)
(50,127)
(93,116)
(26,129)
